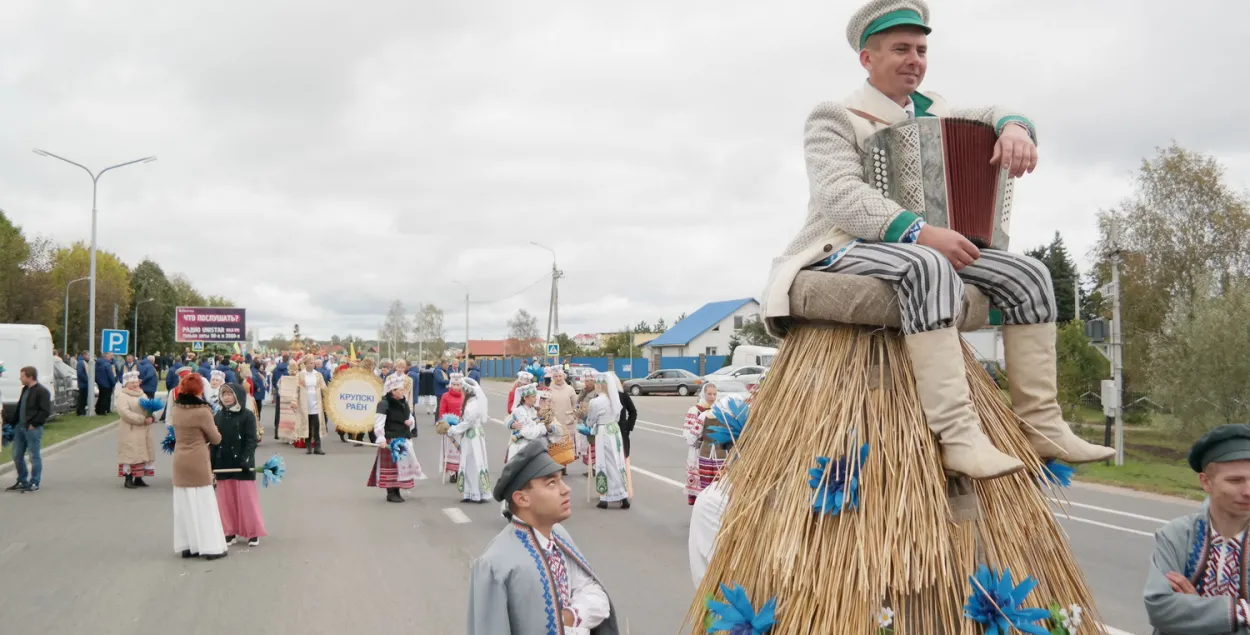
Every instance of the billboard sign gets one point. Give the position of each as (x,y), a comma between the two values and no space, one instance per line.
(210,324)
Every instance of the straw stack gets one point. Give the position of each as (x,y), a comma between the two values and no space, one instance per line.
(913,541)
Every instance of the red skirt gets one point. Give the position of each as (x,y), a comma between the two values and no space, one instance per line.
(385,473)
(239,505)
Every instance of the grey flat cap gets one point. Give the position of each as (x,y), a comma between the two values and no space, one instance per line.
(1221,445)
(530,463)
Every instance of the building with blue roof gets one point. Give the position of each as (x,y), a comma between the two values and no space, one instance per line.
(706,331)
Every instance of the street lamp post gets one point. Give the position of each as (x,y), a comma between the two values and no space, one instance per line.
(466,321)
(95,182)
(553,306)
(65,328)
(137,304)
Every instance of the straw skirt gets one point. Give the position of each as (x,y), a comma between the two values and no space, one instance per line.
(197,523)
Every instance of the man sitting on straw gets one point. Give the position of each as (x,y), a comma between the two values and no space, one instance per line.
(1196,583)
(852,228)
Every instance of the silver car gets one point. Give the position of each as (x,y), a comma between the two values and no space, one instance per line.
(672,381)
(730,387)
(745,374)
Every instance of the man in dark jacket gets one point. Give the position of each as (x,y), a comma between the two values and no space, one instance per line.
(282,369)
(224,367)
(105,380)
(171,378)
(84,385)
(259,389)
(147,376)
(441,381)
(474,373)
(34,407)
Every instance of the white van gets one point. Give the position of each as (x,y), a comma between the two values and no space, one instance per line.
(24,345)
(754,356)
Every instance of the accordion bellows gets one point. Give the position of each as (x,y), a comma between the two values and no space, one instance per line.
(939,168)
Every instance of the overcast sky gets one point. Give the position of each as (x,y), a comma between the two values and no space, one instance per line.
(320,159)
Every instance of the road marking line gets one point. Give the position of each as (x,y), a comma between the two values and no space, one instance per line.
(456,515)
(678,428)
(1106,510)
(662,479)
(1100,524)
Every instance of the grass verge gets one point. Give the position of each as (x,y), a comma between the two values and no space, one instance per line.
(62,428)
(1154,461)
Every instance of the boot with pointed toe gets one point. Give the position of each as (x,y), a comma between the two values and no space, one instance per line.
(1032,371)
(937,361)
(130,482)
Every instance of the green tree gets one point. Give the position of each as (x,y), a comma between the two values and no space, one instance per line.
(754,334)
(620,345)
(219,301)
(1063,275)
(523,326)
(568,348)
(680,317)
(1081,366)
(660,326)
(112,288)
(185,293)
(156,318)
(643,327)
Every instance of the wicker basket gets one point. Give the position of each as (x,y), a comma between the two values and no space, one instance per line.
(441,427)
(561,450)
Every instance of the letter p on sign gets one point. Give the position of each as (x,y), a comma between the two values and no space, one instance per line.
(116,342)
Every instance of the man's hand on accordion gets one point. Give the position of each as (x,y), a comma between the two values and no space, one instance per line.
(950,243)
(1015,151)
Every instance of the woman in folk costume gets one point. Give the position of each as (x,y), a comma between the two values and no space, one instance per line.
(563,401)
(244,373)
(469,434)
(692,432)
(603,420)
(237,499)
(523,378)
(217,379)
(136,452)
(310,420)
(524,423)
(197,523)
(167,413)
(452,403)
(393,421)
(585,448)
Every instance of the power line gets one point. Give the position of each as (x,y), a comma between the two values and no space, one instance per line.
(533,284)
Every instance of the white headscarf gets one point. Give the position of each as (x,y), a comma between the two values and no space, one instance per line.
(611,384)
(394,381)
(526,379)
(479,396)
(127,377)
(703,393)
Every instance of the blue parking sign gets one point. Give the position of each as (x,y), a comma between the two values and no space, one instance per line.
(115,341)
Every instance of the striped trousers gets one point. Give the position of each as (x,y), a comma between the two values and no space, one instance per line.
(930,291)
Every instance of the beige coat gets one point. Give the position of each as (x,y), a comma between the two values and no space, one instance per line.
(194,431)
(301,406)
(134,433)
(563,400)
(842,206)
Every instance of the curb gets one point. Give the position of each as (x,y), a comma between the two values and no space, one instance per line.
(63,445)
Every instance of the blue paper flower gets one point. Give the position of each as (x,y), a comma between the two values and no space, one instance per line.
(584,429)
(451,420)
(837,486)
(151,406)
(272,471)
(1058,473)
(398,449)
(6,434)
(732,411)
(737,616)
(167,445)
(995,603)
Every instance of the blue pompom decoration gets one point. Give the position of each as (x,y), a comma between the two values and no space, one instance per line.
(6,434)
(737,616)
(995,603)
(584,429)
(272,471)
(167,445)
(837,486)
(398,449)
(451,420)
(732,411)
(152,406)
(1057,473)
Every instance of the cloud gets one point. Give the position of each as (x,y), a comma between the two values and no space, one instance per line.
(316,164)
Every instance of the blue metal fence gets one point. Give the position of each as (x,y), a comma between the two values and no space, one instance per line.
(625,368)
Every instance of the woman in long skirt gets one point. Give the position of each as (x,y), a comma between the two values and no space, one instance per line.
(237,498)
(603,420)
(393,420)
(452,403)
(197,524)
(474,480)
(692,432)
(524,423)
(136,452)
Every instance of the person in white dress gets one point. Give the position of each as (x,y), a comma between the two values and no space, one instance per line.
(474,476)
(603,420)
(217,379)
(524,423)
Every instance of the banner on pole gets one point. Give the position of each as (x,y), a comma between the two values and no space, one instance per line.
(210,324)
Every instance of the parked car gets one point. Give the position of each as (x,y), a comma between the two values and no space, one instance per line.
(673,380)
(577,376)
(65,394)
(731,387)
(745,374)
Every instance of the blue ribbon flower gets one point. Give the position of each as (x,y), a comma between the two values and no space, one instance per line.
(451,420)
(6,434)
(272,471)
(151,406)
(398,449)
(732,411)
(837,486)
(737,616)
(995,603)
(585,430)
(1058,473)
(167,445)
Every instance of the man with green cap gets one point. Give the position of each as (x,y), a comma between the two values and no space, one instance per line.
(852,228)
(532,578)
(1197,580)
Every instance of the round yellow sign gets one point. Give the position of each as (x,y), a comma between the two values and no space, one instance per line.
(352,399)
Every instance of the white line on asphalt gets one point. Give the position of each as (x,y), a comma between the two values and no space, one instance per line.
(664,432)
(1109,511)
(662,479)
(1108,526)
(678,428)
(456,515)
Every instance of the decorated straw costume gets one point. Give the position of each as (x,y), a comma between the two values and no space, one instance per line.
(396,465)
(470,435)
(451,405)
(1213,564)
(881,468)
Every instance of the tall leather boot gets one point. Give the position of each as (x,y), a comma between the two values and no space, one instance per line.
(308,444)
(130,482)
(1032,371)
(937,360)
(316,437)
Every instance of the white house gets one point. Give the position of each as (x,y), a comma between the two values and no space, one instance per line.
(706,331)
(587,341)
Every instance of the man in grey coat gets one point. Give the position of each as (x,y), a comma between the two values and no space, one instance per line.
(1197,580)
(532,578)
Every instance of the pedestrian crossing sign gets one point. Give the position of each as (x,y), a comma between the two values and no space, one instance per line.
(197,346)
(553,350)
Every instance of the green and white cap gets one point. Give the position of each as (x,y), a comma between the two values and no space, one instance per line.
(882,15)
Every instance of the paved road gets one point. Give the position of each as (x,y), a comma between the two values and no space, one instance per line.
(85,555)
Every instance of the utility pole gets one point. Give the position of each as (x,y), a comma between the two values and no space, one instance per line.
(553,307)
(114,316)
(1117,343)
(466,321)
